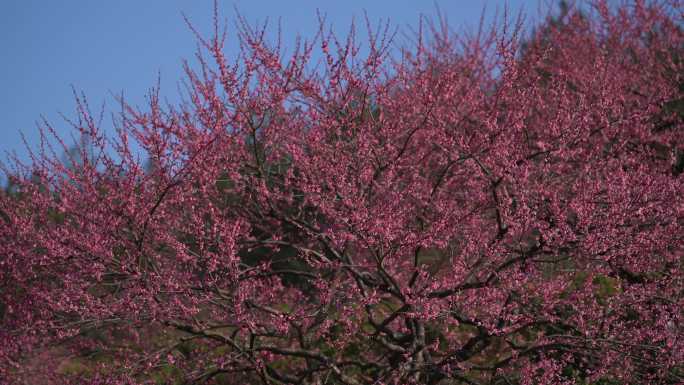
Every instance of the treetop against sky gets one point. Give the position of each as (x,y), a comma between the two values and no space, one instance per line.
(108,48)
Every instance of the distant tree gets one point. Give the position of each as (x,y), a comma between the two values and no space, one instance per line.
(467,213)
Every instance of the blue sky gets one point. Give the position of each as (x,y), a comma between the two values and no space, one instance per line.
(108,47)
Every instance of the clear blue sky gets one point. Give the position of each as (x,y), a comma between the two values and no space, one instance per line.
(104,47)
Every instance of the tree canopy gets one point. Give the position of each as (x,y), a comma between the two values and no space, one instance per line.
(485,208)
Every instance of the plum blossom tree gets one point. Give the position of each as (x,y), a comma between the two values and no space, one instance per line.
(460,212)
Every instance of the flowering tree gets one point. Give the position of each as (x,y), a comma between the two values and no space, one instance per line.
(464,212)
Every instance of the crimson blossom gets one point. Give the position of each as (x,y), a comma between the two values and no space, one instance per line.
(468,209)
